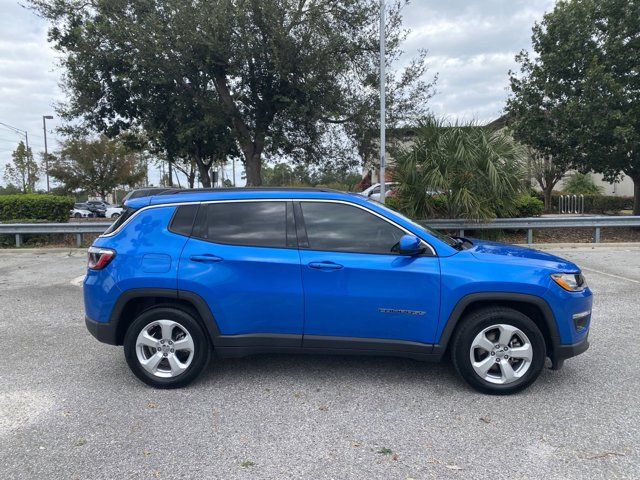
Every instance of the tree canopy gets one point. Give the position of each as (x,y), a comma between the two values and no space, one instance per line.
(96,166)
(206,80)
(577,100)
(23,170)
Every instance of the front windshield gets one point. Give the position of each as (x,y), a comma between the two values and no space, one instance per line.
(440,236)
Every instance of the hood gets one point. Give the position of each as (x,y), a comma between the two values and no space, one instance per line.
(502,252)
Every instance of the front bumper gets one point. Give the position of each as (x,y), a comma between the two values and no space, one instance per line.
(562,352)
(104,332)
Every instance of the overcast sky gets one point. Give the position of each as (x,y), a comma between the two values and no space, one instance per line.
(471,44)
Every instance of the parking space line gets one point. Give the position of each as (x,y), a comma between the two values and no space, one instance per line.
(611,275)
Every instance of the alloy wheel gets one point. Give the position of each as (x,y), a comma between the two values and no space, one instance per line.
(501,354)
(165,348)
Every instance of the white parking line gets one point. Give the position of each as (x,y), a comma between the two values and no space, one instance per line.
(77,281)
(611,275)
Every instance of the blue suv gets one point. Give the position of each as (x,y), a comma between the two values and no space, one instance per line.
(185,274)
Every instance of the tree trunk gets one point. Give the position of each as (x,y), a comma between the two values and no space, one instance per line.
(547,197)
(636,194)
(253,167)
(203,172)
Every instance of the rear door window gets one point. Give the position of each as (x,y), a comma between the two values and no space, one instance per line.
(259,223)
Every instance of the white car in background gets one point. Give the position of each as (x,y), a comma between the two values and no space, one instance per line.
(373,192)
(80,211)
(113,212)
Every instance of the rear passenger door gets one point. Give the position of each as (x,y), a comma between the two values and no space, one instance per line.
(242,259)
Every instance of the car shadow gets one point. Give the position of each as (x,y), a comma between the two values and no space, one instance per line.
(316,368)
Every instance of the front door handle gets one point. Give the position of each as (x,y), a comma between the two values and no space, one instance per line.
(206,258)
(325,265)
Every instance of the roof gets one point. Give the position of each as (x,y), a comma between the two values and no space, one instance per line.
(207,194)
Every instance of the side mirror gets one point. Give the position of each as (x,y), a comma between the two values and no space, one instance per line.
(410,245)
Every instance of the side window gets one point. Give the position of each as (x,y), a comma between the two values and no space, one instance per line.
(345,228)
(182,221)
(259,224)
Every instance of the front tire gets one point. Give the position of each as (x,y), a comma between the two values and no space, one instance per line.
(166,348)
(498,350)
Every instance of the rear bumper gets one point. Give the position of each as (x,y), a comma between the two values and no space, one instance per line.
(104,332)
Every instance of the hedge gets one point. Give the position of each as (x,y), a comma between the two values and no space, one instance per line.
(34,206)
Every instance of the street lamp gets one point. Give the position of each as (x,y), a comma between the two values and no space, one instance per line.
(46,153)
(383,124)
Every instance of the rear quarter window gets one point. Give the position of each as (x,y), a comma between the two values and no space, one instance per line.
(182,221)
(126,214)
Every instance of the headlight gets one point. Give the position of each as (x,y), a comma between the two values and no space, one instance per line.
(572,282)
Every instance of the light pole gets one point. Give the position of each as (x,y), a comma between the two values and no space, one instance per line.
(46,153)
(383,125)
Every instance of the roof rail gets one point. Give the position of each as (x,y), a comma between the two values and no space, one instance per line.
(249,189)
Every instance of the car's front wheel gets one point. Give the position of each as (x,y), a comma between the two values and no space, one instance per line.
(498,350)
(166,347)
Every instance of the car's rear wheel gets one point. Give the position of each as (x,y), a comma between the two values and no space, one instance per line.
(166,347)
(77,215)
(115,215)
(498,350)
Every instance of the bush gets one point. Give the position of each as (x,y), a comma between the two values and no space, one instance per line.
(528,206)
(578,183)
(33,206)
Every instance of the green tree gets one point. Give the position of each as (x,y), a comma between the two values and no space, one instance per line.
(23,170)
(471,171)
(97,166)
(207,79)
(586,60)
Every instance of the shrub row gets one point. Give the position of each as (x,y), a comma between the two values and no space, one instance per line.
(525,206)
(52,208)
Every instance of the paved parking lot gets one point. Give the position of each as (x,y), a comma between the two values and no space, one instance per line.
(69,408)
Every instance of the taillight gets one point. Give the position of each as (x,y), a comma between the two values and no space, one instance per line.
(100,257)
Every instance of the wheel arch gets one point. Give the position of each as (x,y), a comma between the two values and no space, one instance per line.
(133,302)
(532,306)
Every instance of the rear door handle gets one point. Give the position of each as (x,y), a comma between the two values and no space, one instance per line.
(206,258)
(325,265)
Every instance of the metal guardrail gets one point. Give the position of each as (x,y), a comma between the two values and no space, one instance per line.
(20,229)
(529,224)
(595,222)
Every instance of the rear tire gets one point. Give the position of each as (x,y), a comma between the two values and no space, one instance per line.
(166,348)
(498,350)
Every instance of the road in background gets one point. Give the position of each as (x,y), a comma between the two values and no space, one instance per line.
(70,408)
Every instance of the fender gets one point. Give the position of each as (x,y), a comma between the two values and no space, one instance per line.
(455,316)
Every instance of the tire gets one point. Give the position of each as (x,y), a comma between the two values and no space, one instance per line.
(115,215)
(505,371)
(77,215)
(166,328)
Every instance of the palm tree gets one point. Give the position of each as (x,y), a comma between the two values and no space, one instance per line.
(460,171)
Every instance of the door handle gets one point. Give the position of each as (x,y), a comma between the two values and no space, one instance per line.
(325,265)
(206,258)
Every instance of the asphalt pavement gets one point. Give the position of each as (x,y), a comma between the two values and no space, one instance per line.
(70,408)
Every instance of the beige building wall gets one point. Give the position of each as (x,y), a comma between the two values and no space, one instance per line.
(622,189)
